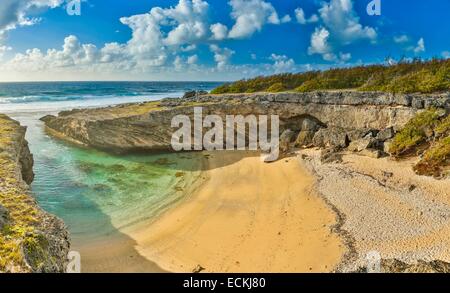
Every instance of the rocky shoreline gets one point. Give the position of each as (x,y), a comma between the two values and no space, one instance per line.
(323,119)
(31,240)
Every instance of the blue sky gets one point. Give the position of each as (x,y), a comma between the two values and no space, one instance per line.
(211,39)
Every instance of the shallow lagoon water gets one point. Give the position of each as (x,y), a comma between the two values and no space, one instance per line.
(97,194)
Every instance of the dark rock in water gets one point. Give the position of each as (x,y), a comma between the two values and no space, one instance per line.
(116,168)
(162,161)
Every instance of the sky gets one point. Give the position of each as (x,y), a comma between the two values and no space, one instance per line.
(211,40)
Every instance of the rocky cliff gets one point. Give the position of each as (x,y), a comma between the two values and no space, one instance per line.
(325,119)
(31,240)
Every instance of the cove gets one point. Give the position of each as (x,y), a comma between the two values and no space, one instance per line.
(98,195)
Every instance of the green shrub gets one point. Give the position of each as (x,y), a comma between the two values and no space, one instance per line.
(276,87)
(435,160)
(415,132)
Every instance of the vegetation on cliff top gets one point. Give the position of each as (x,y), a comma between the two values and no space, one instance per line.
(428,134)
(405,77)
(22,217)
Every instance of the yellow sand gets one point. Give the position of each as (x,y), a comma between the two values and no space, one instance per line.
(247,216)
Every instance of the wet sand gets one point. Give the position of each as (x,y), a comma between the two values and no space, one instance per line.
(245,216)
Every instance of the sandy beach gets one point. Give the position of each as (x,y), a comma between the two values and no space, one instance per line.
(385,207)
(245,216)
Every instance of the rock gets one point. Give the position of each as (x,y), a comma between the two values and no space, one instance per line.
(198,269)
(330,155)
(343,117)
(387,146)
(45,246)
(285,140)
(310,125)
(192,94)
(388,174)
(418,104)
(308,129)
(189,94)
(26,161)
(361,144)
(4,216)
(304,138)
(385,134)
(331,137)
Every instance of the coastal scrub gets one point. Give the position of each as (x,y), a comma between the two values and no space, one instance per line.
(405,77)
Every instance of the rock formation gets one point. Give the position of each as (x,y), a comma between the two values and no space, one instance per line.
(324,119)
(31,240)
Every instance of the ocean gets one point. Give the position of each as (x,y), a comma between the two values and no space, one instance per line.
(54,96)
(95,193)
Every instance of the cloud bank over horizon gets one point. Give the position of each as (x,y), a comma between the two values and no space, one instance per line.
(185,41)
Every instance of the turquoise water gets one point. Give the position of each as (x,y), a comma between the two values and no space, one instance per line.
(96,193)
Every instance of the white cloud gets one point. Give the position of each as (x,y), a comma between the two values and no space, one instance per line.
(339,27)
(446,54)
(320,45)
(3,50)
(300,16)
(287,18)
(14,13)
(192,59)
(219,31)
(250,17)
(178,63)
(282,63)
(401,39)
(343,23)
(344,57)
(420,48)
(221,56)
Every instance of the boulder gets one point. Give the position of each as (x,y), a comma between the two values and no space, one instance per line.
(361,144)
(385,134)
(192,94)
(304,138)
(189,94)
(331,137)
(285,140)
